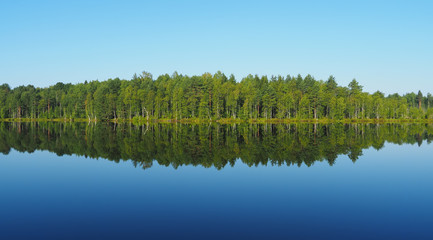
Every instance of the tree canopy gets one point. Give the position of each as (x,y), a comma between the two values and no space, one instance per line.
(210,97)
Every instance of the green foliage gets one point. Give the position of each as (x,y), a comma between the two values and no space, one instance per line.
(429,113)
(416,113)
(210,97)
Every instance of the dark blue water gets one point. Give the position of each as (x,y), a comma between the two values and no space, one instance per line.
(386,194)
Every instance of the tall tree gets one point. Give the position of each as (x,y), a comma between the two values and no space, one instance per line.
(419,99)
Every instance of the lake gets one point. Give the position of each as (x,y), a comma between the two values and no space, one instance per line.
(174,181)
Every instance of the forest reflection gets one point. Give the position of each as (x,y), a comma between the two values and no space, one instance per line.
(211,145)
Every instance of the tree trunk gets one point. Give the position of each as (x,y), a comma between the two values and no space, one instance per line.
(147,114)
(130,112)
(315,112)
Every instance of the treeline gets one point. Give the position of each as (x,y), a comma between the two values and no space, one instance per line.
(210,97)
(211,145)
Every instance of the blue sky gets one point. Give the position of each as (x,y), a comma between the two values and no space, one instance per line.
(385,45)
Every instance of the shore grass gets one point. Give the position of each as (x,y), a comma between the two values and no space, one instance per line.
(44,120)
(220,121)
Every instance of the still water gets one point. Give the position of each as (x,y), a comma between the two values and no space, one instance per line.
(305,181)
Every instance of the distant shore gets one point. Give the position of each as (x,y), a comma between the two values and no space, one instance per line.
(220,121)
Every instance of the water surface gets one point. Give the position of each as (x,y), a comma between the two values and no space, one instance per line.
(69,181)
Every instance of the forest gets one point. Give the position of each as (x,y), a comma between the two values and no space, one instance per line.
(209,145)
(209,97)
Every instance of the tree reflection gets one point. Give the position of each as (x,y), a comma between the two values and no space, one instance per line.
(211,145)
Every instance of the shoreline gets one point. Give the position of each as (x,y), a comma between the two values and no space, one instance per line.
(221,121)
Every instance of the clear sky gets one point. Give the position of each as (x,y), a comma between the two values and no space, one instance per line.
(385,45)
